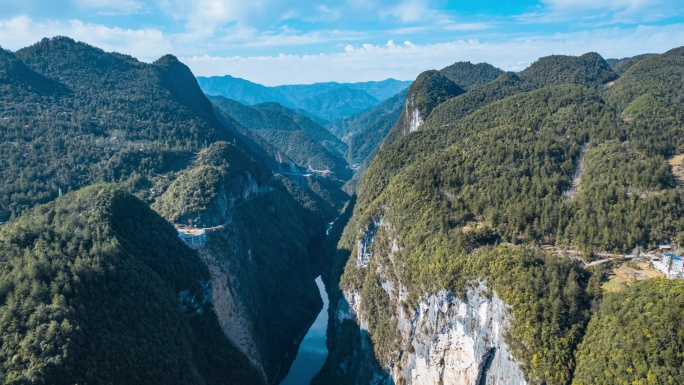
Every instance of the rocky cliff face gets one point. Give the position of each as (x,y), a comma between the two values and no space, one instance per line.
(412,116)
(459,342)
(264,292)
(428,90)
(446,339)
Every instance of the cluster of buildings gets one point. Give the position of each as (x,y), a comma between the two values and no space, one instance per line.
(672,265)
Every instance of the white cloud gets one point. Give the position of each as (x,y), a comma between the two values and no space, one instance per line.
(145,44)
(409,11)
(407,60)
(604,12)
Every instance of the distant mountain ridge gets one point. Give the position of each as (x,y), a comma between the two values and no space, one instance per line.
(328,101)
(301,139)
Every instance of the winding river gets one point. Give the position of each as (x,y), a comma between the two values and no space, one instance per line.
(313,351)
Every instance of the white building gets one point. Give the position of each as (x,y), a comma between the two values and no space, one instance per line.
(674,263)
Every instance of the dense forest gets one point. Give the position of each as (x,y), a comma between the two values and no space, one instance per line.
(568,153)
(465,180)
(96,287)
(73,272)
(635,337)
(301,139)
(72,115)
(363,132)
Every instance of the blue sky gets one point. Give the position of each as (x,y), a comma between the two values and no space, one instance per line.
(296,41)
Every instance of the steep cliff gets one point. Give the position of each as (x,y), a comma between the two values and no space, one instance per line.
(257,252)
(97,288)
(511,315)
(443,338)
(441,277)
(263,286)
(428,90)
(450,341)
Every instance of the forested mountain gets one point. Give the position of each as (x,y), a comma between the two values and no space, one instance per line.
(346,127)
(621,66)
(376,125)
(461,257)
(328,101)
(78,115)
(496,165)
(468,75)
(72,115)
(387,121)
(430,89)
(306,143)
(97,288)
(635,335)
(310,126)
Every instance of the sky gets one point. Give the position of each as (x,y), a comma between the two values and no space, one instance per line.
(276,42)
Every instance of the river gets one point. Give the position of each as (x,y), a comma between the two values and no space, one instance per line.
(312,351)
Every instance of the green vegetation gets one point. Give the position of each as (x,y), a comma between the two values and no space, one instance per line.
(635,337)
(589,70)
(72,115)
(313,129)
(97,288)
(509,163)
(550,301)
(200,192)
(302,140)
(321,102)
(429,90)
(469,76)
(497,164)
(371,128)
(620,66)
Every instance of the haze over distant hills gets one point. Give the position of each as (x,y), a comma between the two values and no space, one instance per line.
(329,101)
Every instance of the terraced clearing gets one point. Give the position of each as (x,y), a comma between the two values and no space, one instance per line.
(677,169)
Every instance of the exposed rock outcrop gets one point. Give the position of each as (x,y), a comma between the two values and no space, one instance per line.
(264,292)
(445,339)
(459,342)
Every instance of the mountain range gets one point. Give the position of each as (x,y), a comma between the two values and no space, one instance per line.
(472,226)
(451,215)
(326,101)
(74,116)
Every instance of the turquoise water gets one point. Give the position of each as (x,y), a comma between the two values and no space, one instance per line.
(312,352)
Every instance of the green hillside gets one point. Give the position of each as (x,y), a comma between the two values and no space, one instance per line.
(294,134)
(430,89)
(219,172)
(311,127)
(97,288)
(635,337)
(469,76)
(78,115)
(620,66)
(496,165)
(72,116)
(544,72)
(364,132)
